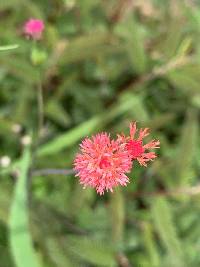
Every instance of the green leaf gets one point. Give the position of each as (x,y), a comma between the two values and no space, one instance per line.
(194,16)
(184,47)
(69,138)
(131,31)
(20,68)
(31,9)
(186,78)
(8,4)
(20,238)
(165,227)
(86,46)
(187,149)
(86,128)
(56,253)
(117,216)
(173,38)
(92,251)
(8,47)
(150,245)
(5,196)
(56,112)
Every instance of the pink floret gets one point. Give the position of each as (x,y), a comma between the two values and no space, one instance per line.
(102,163)
(137,150)
(34,28)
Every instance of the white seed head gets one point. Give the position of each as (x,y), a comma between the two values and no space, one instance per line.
(26,140)
(16,128)
(5,161)
(70,4)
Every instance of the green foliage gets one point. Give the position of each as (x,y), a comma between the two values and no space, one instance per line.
(150,245)
(20,238)
(166,229)
(92,251)
(130,30)
(101,64)
(117,217)
(57,255)
(187,149)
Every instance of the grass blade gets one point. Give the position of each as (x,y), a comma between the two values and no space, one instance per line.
(92,251)
(166,229)
(20,238)
(187,150)
(8,47)
(90,126)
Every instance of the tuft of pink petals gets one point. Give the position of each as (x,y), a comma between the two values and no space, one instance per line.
(34,28)
(137,150)
(102,163)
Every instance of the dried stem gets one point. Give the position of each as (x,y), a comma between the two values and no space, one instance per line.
(160,71)
(123,260)
(49,171)
(191,191)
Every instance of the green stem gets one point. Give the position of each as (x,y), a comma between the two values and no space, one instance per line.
(40,109)
(118,216)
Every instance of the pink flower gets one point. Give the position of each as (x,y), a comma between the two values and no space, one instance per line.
(137,150)
(102,163)
(34,28)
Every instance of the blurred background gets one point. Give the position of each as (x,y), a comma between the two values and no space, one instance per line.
(99,65)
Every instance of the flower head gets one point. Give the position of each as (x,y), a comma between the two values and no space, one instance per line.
(137,150)
(34,28)
(102,163)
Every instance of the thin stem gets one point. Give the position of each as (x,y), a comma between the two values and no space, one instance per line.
(49,171)
(40,108)
(159,72)
(190,191)
(123,260)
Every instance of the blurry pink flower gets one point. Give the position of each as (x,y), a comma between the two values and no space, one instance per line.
(102,163)
(135,146)
(34,28)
